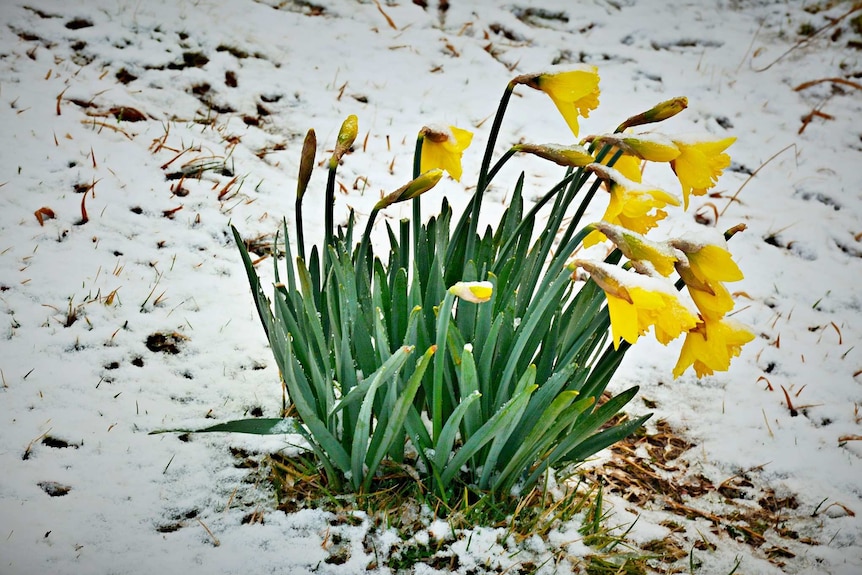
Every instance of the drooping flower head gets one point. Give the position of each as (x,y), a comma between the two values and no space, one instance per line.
(711,345)
(707,264)
(575,91)
(634,206)
(700,163)
(443,147)
(637,302)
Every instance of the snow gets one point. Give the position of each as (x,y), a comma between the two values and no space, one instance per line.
(139,503)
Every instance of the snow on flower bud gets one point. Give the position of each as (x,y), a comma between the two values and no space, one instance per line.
(474,292)
(443,147)
(638,248)
(575,92)
(658,113)
(412,189)
(568,156)
(650,147)
(306,163)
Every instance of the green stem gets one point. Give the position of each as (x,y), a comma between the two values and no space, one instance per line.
(300,235)
(499,164)
(507,247)
(443,318)
(576,220)
(364,247)
(417,205)
(483,171)
(329,226)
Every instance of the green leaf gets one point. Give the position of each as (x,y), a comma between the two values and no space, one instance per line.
(443,447)
(255,426)
(395,428)
(491,428)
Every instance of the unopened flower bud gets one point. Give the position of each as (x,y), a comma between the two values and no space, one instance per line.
(650,147)
(603,279)
(306,163)
(346,136)
(474,292)
(569,156)
(657,113)
(412,189)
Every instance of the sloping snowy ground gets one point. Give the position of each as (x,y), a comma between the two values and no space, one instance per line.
(226,91)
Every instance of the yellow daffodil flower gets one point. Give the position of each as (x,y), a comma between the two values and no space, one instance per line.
(711,345)
(575,92)
(474,292)
(627,165)
(636,302)
(638,248)
(443,147)
(650,147)
(713,303)
(713,263)
(634,206)
(700,163)
(703,270)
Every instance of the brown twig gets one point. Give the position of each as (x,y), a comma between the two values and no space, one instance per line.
(804,41)
(805,85)
(754,173)
(793,412)
(385,15)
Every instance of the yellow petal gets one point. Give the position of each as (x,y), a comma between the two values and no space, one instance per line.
(443,148)
(574,92)
(714,263)
(624,320)
(700,163)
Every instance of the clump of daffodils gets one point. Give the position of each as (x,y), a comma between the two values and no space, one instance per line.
(474,348)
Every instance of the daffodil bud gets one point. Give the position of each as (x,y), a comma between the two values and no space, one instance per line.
(639,248)
(412,189)
(568,156)
(306,163)
(650,147)
(603,278)
(474,292)
(346,137)
(658,113)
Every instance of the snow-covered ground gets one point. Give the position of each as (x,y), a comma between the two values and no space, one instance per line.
(225,90)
